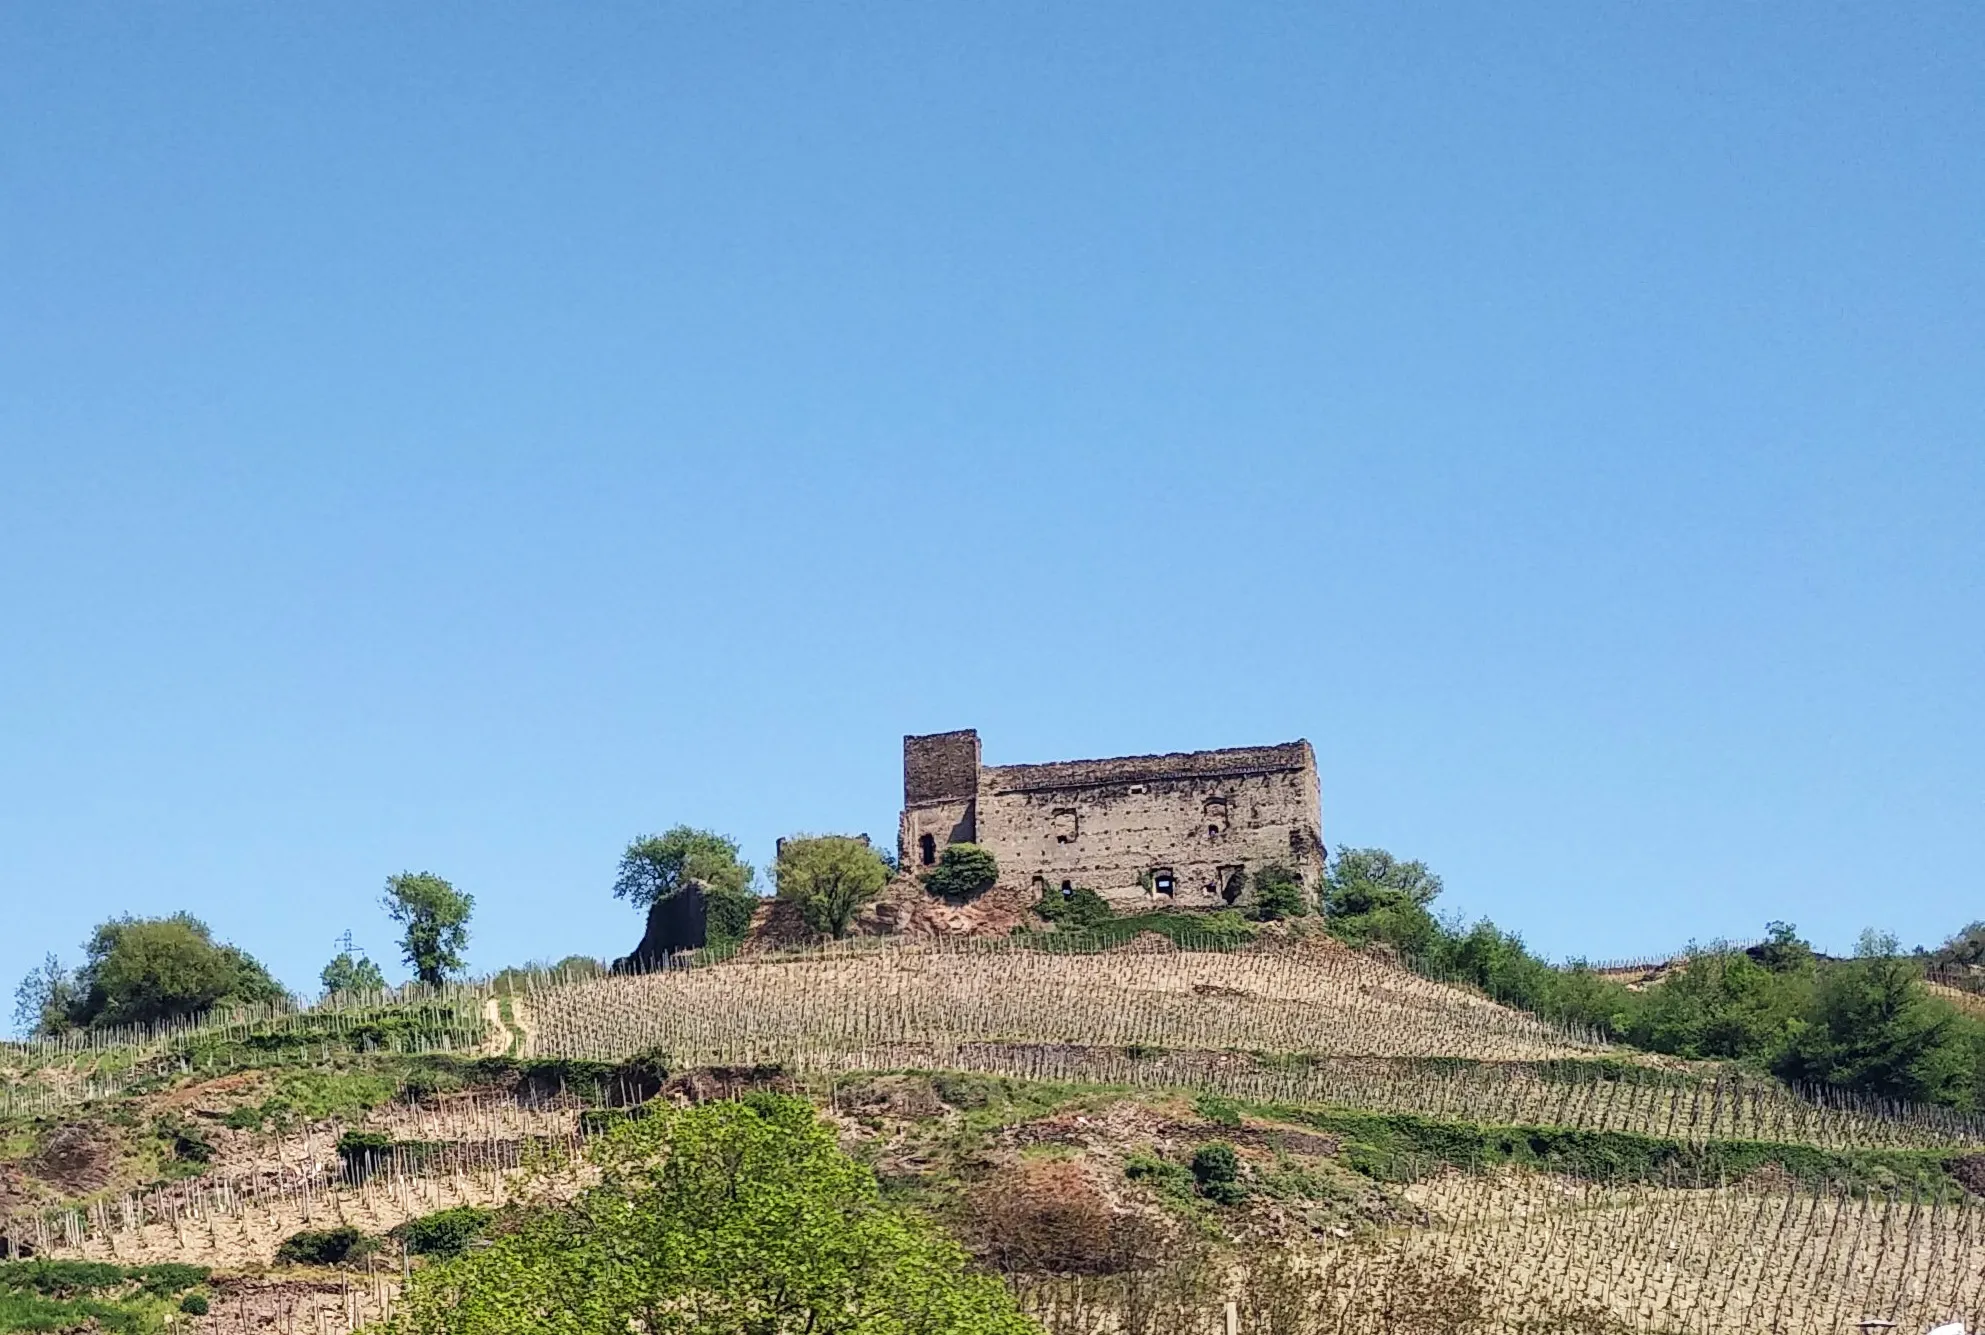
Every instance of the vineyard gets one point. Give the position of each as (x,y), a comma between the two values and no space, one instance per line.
(1517,1253)
(1409,1156)
(1324,1000)
(1370,1034)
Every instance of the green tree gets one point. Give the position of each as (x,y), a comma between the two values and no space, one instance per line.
(1965,949)
(435,918)
(1367,880)
(1875,1028)
(962,870)
(1724,1003)
(352,973)
(827,878)
(45,1000)
(1369,895)
(731,1218)
(143,970)
(656,866)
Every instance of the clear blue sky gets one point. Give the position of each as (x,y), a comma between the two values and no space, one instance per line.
(463,437)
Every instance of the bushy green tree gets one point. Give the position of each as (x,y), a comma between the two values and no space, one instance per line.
(1369,895)
(1874,1028)
(434,917)
(828,877)
(143,970)
(738,1217)
(1724,1003)
(1363,880)
(962,870)
(657,867)
(348,972)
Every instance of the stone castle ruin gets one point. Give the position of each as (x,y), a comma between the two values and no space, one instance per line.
(1186,830)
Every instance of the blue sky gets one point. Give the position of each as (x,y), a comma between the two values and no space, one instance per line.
(464,437)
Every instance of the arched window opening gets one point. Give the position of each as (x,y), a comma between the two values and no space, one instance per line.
(927,850)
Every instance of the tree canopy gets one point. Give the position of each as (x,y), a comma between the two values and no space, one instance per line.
(1866,1024)
(434,916)
(738,1216)
(828,877)
(351,973)
(141,971)
(656,866)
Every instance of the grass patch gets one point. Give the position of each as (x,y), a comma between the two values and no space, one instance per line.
(91,1295)
(316,1096)
(1399,1147)
(1224,930)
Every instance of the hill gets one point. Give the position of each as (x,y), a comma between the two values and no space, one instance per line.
(1131,1136)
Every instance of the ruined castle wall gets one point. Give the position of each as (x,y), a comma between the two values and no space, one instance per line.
(1205,819)
(940,795)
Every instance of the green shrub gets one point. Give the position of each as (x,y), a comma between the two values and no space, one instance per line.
(962,870)
(194,1304)
(827,878)
(328,1246)
(1078,906)
(1190,931)
(727,914)
(1217,1110)
(1278,894)
(1168,1178)
(357,1147)
(736,1215)
(1216,1171)
(445,1232)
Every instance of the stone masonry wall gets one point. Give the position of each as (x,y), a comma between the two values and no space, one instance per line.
(1204,821)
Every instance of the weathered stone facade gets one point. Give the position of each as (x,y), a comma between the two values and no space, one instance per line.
(1174,831)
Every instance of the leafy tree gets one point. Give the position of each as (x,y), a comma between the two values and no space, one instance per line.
(1365,880)
(656,866)
(352,973)
(962,870)
(45,999)
(1278,893)
(743,1217)
(828,877)
(1965,949)
(142,970)
(1876,1029)
(1783,951)
(1724,1003)
(435,916)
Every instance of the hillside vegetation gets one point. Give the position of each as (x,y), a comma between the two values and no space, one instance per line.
(1373,1123)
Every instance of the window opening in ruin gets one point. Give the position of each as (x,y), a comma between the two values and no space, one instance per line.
(927,850)
(1232,881)
(1065,825)
(1161,881)
(1216,817)
(1067,889)
(1040,886)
